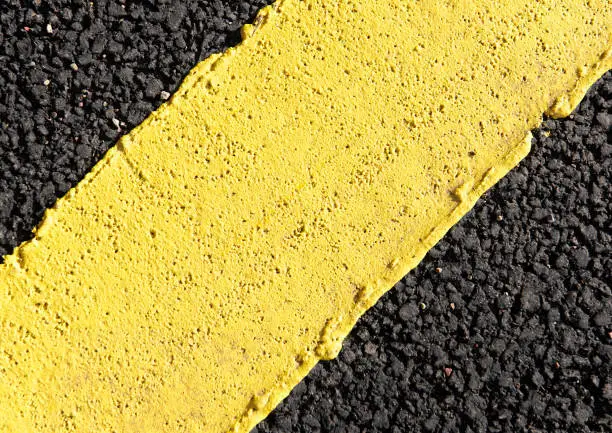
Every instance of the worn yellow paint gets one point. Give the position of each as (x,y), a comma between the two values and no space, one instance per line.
(232,240)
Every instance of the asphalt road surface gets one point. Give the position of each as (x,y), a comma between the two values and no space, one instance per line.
(505,326)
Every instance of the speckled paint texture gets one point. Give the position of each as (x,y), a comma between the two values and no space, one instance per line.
(232,240)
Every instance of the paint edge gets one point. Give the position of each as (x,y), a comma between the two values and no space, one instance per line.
(254,414)
(257,411)
(14,261)
(566,104)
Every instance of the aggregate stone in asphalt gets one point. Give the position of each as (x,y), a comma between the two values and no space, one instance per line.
(505,326)
(75,75)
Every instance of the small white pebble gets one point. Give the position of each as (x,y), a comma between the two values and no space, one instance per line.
(117,123)
(74,66)
(164,95)
(49,28)
(47,82)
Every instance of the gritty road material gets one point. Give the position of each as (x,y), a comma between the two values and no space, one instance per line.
(363,391)
(506,324)
(76,75)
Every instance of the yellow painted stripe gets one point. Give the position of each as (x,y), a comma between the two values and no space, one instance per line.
(233,239)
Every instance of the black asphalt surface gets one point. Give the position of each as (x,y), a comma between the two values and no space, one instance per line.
(506,326)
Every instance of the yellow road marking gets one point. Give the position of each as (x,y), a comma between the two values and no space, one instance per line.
(233,239)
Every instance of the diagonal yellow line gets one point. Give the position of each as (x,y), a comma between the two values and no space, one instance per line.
(232,240)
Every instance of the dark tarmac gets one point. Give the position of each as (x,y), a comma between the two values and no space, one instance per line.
(505,326)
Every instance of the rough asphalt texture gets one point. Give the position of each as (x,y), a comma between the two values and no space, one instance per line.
(75,75)
(505,326)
